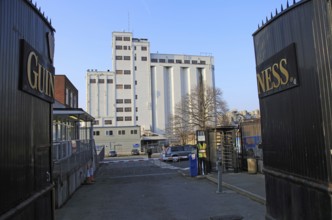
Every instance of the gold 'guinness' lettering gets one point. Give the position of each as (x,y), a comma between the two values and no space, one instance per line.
(278,73)
(39,78)
(32,79)
(273,77)
(284,71)
(37,74)
(276,83)
(267,73)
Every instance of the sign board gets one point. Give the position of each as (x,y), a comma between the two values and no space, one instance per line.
(200,136)
(37,74)
(278,73)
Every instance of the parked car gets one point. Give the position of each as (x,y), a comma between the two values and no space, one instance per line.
(134,152)
(113,153)
(176,153)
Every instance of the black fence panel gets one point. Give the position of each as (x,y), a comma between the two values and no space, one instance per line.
(25,128)
(294,85)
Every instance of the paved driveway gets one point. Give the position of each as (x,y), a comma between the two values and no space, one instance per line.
(149,189)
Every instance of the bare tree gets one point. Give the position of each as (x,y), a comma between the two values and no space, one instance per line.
(202,108)
(177,131)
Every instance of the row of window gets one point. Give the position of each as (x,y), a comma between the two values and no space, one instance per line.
(120,38)
(121,101)
(128,58)
(122,57)
(71,98)
(120,72)
(177,61)
(124,47)
(110,132)
(126,109)
(126,118)
(120,118)
(107,122)
(121,86)
(108,81)
(120,47)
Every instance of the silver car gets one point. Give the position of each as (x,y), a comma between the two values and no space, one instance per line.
(176,153)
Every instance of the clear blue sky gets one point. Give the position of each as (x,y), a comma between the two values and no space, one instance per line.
(83,37)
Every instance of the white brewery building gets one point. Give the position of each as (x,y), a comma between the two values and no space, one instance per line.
(132,103)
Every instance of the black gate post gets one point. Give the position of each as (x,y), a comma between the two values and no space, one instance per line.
(293,69)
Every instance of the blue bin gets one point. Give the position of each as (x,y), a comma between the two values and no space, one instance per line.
(193,165)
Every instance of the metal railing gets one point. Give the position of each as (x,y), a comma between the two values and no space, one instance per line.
(68,156)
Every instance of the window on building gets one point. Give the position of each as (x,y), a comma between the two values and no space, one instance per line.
(119,109)
(162,60)
(127,72)
(136,109)
(109,81)
(101,81)
(202,62)
(128,47)
(126,57)
(96,122)
(92,80)
(154,60)
(125,47)
(194,61)
(170,61)
(135,67)
(71,103)
(119,86)
(128,118)
(118,57)
(127,86)
(109,133)
(108,122)
(178,61)
(133,132)
(136,96)
(119,118)
(121,132)
(127,109)
(119,101)
(119,71)
(144,58)
(126,38)
(118,47)
(187,61)
(135,82)
(67,96)
(96,133)
(144,48)
(136,118)
(118,38)
(75,101)
(127,101)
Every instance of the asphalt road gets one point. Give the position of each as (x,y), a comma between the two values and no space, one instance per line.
(151,189)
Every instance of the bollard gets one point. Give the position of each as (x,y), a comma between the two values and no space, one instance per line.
(219,168)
